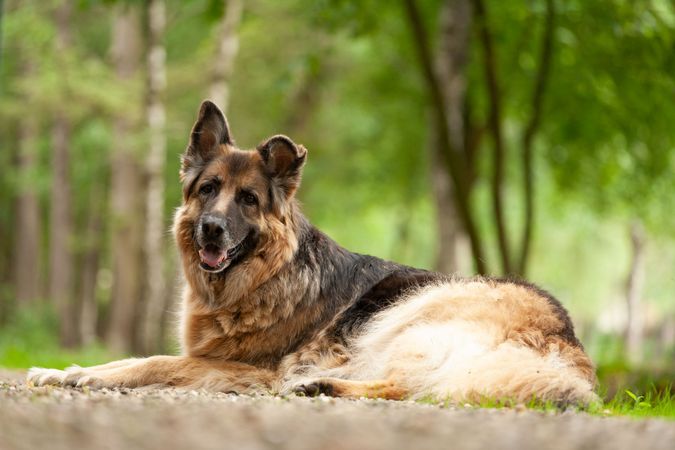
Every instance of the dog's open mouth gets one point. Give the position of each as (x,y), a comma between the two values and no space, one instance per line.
(215,259)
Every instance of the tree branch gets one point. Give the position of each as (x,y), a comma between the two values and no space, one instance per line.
(494,122)
(531,129)
(454,160)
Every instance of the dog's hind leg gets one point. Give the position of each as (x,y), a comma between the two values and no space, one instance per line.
(176,371)
(336,387)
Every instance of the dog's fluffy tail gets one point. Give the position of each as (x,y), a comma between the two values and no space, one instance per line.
(511,373)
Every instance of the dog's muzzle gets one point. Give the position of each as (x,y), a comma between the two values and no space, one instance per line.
(213,241)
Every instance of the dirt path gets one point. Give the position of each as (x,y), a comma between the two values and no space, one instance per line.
(54,418)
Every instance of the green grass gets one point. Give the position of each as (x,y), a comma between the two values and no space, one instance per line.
(650,403)
(20,357)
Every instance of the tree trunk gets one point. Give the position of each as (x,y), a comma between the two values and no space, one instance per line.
(455,161)
(448,226)
(495,123)
(61,224)
(305,100)
(27,268)
(154,166)
(530,131)
(223,62)
(634,291)
(667,336)
(7,224)
(90,265)
(126,193)
(451,58)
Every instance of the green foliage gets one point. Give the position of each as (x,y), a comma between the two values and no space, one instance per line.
(367,129)
(611,136)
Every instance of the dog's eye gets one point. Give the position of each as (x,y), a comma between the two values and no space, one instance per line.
(249,199)
(206,189)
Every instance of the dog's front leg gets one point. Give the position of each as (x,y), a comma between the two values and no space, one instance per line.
(178,371)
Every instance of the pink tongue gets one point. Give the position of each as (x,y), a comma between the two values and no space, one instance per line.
(212,258)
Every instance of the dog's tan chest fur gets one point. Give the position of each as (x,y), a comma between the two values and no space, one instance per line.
(261,328)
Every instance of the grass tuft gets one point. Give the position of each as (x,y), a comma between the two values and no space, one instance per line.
(651,403)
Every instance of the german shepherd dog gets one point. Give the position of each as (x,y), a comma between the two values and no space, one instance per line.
(271,304)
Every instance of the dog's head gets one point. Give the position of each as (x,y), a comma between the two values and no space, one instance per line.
(236,204)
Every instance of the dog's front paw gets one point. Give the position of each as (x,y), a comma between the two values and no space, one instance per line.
(84,379)
(73,376)
(37,376)
(93,379)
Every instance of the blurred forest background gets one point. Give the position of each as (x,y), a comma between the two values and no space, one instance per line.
(531,138)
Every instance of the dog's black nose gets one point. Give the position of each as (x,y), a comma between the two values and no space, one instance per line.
(213,227)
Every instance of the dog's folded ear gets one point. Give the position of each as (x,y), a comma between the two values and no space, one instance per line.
(283,161)
(208,134)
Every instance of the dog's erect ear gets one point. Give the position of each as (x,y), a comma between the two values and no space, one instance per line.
(283,161)
(208,133)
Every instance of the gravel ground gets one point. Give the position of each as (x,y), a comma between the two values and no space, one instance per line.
(55,418)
